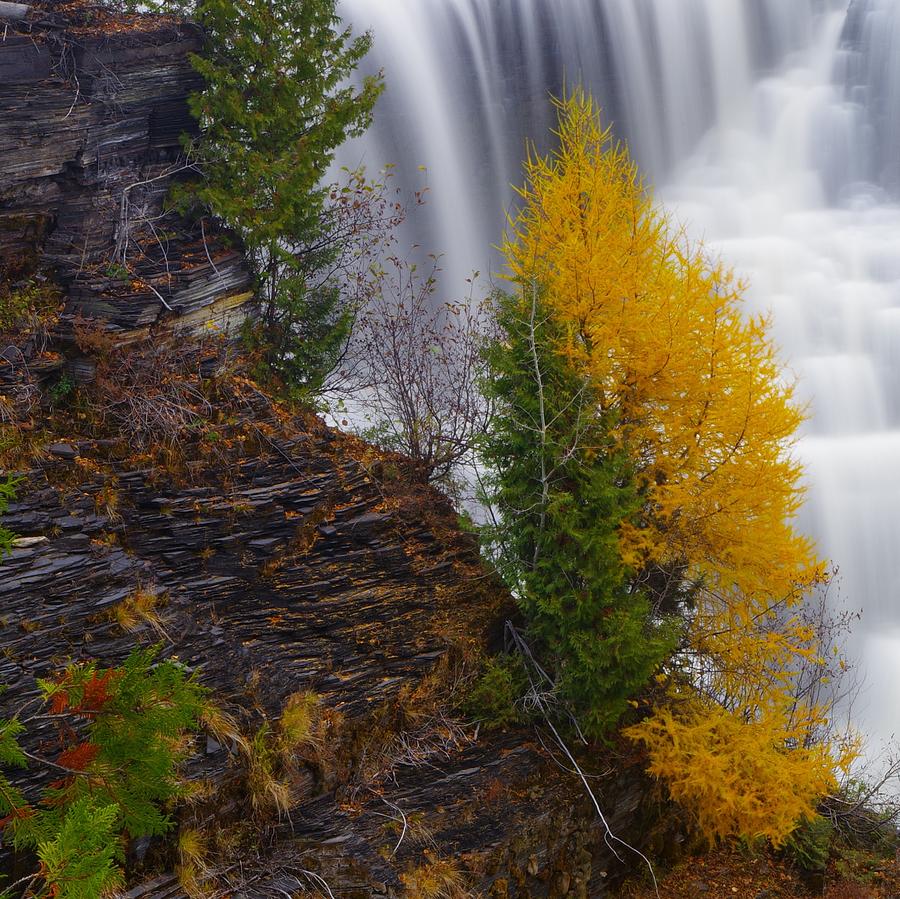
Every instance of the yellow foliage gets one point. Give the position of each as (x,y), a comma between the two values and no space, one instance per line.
(738,777)
(696,392)
(438,878)
(298,720)
(695,387)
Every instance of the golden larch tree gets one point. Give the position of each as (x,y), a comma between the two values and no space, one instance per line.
(700,404)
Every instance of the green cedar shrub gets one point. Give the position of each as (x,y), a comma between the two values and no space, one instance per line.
(122,733)
(81,857)
(562,489)
(494,698)
(809,845)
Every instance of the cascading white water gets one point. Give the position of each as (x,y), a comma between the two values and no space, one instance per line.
(772,129)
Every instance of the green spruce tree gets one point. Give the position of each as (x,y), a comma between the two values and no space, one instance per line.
(562,490)
(277,103)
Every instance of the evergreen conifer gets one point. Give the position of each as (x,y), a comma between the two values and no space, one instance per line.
(562,490)
(276,104)
(120,741)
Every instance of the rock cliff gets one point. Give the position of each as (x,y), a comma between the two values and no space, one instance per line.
(303,564)
(278,556)
(94,106)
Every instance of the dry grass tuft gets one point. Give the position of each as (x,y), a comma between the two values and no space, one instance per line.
(268,791)
(438,878)
(297,726)
(192,867)
(140,609)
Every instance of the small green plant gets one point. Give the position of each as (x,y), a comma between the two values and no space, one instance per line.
(28,310)
(858,865)
(495,698)
(121,734)
(808,846)
(117,272)
(7,495)
(62,389)
(15,306)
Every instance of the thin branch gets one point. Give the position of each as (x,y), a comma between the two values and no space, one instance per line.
(539,698)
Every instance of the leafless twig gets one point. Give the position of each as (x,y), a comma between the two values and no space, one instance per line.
(542,688)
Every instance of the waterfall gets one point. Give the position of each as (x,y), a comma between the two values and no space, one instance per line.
(772,130)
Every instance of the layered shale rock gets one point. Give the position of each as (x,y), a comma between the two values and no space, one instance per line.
(92,110)
(293,564)
(303,561)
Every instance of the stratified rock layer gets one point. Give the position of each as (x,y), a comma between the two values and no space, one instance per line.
(293,567)
(309,565)
(92,111)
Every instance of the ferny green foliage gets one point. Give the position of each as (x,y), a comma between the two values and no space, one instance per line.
(562,491)
(120,738)
(7,495)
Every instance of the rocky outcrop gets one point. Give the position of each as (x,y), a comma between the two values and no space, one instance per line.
(92,111)
(494,819)
(304,563)
(294,566)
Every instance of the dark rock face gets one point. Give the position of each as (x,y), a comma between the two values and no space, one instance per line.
(512,826)
(91,116)
(298,568)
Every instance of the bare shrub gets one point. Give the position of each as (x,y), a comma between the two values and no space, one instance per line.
(864,810)
(417,362)
(148,394)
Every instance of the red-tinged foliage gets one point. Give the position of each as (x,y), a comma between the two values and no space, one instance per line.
(85,699)
(17,814)
(120,736)
(78,757)
(96,691)
(59,701)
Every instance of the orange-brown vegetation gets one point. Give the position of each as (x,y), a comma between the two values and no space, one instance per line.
(729,872)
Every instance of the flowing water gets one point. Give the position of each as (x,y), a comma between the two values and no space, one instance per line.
(772,130)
